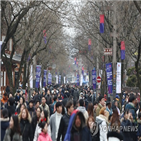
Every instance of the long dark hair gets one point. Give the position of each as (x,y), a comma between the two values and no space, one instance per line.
(16,127)
(115,117)
(90,109)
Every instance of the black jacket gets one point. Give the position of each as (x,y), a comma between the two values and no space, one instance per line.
(63,126)
(48,100)
(26,130)
(127,135)
(81,134)
(31,111)
(4,126)
(35,119)
(11,110)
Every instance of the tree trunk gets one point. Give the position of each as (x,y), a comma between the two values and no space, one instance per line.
(137,67)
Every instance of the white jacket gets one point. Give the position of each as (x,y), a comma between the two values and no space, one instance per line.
(38,131)
(113,139)
(103,128)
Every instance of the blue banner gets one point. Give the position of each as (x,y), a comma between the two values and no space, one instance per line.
(45,78)
(78,83)
(94,78)
(49,78)
(59,79)
(109,77)
(38,74)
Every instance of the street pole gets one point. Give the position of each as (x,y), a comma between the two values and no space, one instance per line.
(114,50)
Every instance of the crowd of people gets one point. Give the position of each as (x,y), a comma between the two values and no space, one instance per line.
(70,114)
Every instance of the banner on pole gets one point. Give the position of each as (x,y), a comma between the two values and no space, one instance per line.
(45,78)
(94,78)
(38,73)
(78,80)
(64,80)
(59,79)
(109,77)
(56,79)
(31,77)
(118,79)
(49,78)
(0,45)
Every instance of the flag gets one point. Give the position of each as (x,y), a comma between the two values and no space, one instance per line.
(101,23)
(44,36)
(122,50)
(89,44)
(75,60)
(77,64)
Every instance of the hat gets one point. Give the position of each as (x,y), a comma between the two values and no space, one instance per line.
(43,89)
(81,93)
(117,96)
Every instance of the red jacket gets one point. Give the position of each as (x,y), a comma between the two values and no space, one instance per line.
(44,137)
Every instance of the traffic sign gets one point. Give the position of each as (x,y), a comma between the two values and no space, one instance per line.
(107,51)
(98,79)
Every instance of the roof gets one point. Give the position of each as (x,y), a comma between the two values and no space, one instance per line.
(16,57)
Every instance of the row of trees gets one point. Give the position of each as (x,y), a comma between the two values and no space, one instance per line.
(24,22)
(128,19)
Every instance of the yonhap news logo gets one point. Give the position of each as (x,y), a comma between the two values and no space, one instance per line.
(95,128)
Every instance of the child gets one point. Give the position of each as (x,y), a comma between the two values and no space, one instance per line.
(139,127)
(43,136)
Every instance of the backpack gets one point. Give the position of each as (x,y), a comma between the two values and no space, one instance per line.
(96,131)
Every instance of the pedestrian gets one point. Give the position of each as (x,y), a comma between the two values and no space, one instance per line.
(91,126)
(25,125)
(13,133)
(48,98)
(35,119)
(17,97)
(44,106)
(65,121)
(38,130)
(101,104)
(82,108)
(109,106)
(132,106)
(11,106)
(30,108)
(55,121)
(139,127)
(4,98)
(52,105)
(102,121)
(44,136)
(126,123)
(90,110)
(22,101)
(115,105)
(4,122)
(94,109)
(114,134)
(77,129)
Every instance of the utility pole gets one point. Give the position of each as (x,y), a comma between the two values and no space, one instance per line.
(115,35)
(114,50)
